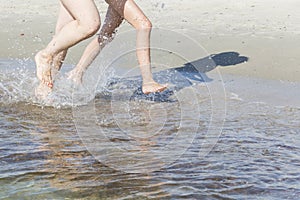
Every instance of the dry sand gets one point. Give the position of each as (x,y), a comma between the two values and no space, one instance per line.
(267,32)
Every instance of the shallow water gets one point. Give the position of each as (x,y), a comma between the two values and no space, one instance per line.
(58,151)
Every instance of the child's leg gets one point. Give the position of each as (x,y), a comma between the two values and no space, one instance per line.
(86,22)
(64,18)
(111,22)
(135,16)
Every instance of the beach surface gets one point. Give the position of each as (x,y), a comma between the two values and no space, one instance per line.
(227,127)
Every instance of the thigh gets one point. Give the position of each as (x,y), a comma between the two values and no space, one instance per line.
(85,11)
(64,17)
(130,11)
(112,21)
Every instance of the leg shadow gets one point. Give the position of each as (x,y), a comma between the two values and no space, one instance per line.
(181,77)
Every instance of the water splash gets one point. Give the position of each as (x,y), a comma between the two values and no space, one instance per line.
(18,82)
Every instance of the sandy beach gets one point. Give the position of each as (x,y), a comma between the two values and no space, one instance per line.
(267,32)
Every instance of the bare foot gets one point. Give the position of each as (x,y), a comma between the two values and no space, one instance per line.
(76,76)
(152,87)
(43,69)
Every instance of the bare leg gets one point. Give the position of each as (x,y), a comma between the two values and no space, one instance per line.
(135,16)
(64,18)
(111,22)
(86,23)
(119,9)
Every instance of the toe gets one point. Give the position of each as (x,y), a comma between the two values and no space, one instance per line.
(50,85)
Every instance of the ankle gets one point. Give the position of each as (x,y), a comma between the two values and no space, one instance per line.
(79,71)
(45,55)
(148,81)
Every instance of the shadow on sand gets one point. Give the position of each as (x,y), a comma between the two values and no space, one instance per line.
(183,76)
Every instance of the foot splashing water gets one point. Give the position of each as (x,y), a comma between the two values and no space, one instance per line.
(20,84)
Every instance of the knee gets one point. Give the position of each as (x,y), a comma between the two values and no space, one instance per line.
(90,27)
(144,25)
